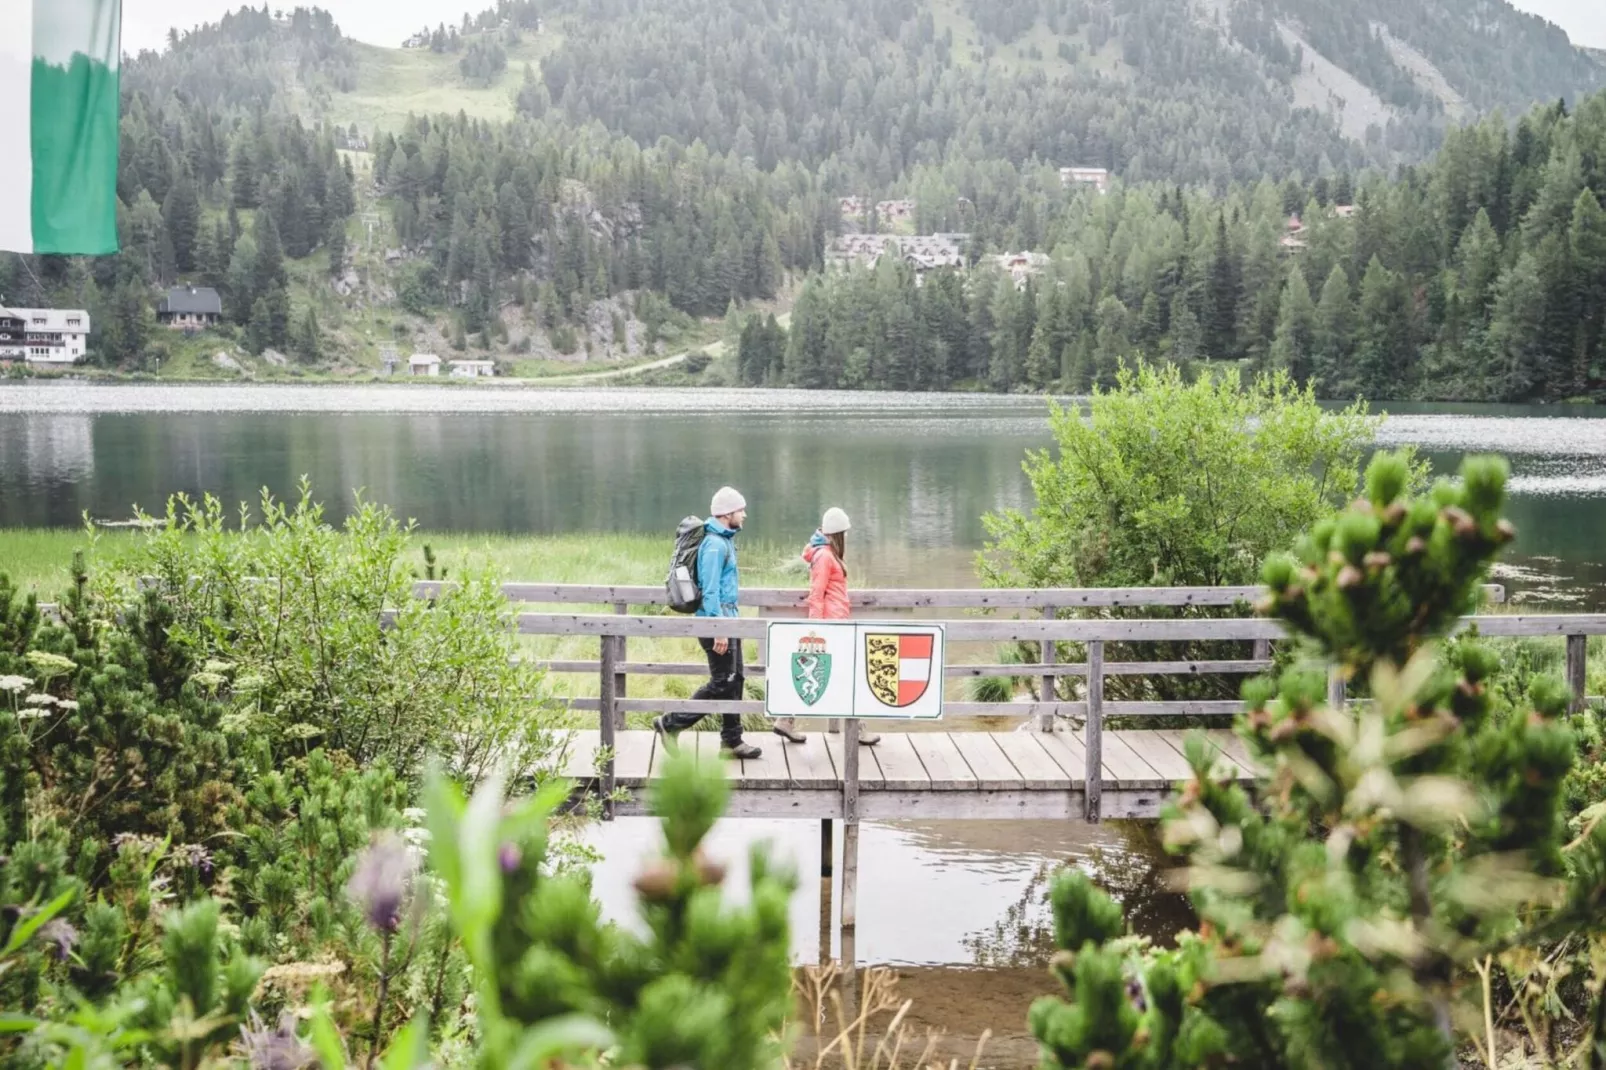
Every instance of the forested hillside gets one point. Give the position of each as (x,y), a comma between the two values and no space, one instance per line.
(681,158)
(1478,276)
(1153,89)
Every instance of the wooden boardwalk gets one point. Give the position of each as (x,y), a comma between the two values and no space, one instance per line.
(923,774)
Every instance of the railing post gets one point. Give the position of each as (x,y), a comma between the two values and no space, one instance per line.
(1335,688)
(850,822)
(608,710)
(1045,721)
(1577,663)
(1262,651)
(1093,730)
(620,687)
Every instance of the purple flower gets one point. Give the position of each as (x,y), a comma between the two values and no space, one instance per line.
(278,1048)
(382,880)
(508,856)
(62,934)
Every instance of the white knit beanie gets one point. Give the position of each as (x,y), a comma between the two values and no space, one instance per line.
(727,500)
(835,522)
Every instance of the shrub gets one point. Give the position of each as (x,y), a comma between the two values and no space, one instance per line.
(1402,851)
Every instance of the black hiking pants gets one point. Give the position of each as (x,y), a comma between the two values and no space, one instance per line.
(724,684)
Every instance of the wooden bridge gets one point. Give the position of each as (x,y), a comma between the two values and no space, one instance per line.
(1061,762)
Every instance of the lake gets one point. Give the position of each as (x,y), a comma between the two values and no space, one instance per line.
(957,907)
(915,471)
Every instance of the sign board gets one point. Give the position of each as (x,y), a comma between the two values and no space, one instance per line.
(839,668)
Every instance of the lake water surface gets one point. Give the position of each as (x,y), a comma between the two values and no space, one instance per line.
(915,471)
(958,907)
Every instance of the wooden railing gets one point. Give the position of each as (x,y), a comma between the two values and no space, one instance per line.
(614,630)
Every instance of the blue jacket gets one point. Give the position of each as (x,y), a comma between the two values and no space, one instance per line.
(716,571)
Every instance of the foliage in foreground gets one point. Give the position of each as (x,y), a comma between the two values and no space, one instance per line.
(1402,853)
(478,951)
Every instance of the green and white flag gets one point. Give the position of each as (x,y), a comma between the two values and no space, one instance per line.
(58,114)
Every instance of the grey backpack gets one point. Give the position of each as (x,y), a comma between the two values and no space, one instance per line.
(685,596)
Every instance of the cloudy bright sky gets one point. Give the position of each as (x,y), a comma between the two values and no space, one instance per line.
(386,22)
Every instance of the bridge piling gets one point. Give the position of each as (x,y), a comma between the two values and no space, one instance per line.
(850,822)
(1577,666)
(1093,732)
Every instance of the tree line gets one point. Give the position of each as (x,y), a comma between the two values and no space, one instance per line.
(1478,276)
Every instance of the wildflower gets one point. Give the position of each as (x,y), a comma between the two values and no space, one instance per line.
(66,704)
(40,699)
(508,857)
(15,683)
(194,856)
(278,1048)
(47,664)
(62,934)
(382,881)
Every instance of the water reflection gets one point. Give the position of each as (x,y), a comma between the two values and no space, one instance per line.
(948,893)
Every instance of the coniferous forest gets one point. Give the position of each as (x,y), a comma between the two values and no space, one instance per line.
(1432,253)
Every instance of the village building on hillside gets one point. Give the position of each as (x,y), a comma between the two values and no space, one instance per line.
(1292,241)
(473,369)
(1021,266)
(190,308)
(44,335)
(423,364)
(851,206)
(1097,177)
(923,252)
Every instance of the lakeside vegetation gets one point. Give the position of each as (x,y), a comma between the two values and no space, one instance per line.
(221,841)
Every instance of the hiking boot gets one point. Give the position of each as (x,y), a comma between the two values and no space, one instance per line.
(665,734)
(786,728)
(868,739)
(739,749)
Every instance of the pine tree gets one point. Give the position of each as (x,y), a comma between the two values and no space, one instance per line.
(336,244)
(1294,346)
(181,215)
(1221,325)
(309,344)
(1334,317)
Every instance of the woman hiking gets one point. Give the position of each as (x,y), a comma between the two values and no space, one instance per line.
(828,595)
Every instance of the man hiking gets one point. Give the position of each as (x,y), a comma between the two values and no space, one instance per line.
(717,579)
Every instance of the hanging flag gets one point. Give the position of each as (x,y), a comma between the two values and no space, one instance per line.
(58,108)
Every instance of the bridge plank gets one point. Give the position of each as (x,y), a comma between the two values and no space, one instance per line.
(579,762)
(1124,768)
(633,756)
(1228,743)
(870,776)
(992,769)
(1165,759)
(1224,767)
(770,770)
(810,766)
(1068,753)
(1037,770)
(708,754)
(941,757)
(901,768)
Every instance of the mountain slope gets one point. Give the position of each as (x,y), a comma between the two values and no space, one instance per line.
(1198,91)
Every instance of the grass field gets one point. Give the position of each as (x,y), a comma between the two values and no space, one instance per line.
(395,82)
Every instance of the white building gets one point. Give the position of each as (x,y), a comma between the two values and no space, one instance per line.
(47,336)
(1097,177)
(473,369)
(423,364)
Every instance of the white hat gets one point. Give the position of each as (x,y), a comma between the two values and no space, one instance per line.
(727,500)
(835,522)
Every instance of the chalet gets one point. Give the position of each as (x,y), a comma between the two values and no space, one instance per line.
(922,251)
(190,308)
(1344,211)
(851,206)
(1097,177)
(44,335)
(1021,266)
(13,326)
(473,369)
(423,364)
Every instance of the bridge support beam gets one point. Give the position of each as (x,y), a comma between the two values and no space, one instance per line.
(850,823)
(1577,664)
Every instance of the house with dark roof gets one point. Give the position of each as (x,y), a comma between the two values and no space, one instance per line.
(190,308)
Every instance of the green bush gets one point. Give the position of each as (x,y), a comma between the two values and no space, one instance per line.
(1398,854)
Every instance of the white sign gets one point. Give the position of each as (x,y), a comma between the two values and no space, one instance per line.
(839,668)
